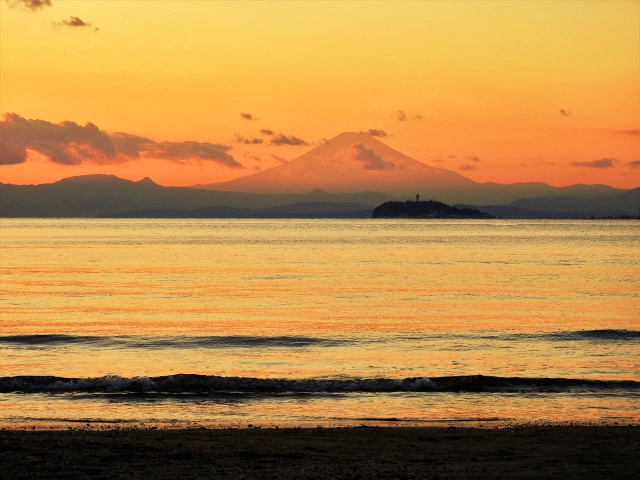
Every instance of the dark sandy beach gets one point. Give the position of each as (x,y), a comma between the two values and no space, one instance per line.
(579,452)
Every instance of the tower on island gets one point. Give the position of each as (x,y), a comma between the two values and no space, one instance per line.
(417,197)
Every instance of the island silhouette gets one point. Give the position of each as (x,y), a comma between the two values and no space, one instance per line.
(424,209)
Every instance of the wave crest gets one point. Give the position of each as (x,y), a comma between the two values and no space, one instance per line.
(211,384)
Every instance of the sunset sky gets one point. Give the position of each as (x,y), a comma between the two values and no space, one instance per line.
(189,92)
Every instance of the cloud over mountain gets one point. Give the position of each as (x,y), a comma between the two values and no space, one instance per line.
(370,159)
(467,167)
(282,139)
(377,133)
(68,143)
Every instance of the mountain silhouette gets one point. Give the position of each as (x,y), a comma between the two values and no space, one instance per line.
(349,162)
(110,196)
(344,177)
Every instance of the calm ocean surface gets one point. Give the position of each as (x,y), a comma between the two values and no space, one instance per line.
(318,322)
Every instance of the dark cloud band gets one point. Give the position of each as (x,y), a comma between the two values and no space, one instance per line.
(601,163)
(631,133)
(68,143)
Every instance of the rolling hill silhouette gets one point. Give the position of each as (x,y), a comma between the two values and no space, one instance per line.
(107,195)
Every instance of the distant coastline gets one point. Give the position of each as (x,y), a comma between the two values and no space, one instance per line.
(105,196)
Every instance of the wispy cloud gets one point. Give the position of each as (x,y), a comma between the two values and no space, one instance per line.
(74,22)
(253,157)
(35,5)
(370,159)
(247,116)
(538,161)
(281,139)
(631,133)
(473,158)
(248,141)
(280,160)
(565,113)
(267,132)
(186,151)
(403,116)
(32,5)
(634,164)
(600,163)
(68,143)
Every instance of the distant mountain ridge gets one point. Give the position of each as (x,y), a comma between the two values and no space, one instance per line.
(108,195)
(295,210)
(592,203)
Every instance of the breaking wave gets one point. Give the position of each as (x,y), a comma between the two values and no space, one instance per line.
(607,334)
(285,341)
(211,384)
(173,341)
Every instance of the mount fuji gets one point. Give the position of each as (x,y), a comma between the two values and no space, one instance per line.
(350,162)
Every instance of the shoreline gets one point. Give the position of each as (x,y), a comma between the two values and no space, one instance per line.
(517,451)
(96,425)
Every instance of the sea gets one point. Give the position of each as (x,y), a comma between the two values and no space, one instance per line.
(184,323)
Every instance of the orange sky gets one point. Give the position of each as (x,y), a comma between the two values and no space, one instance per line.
(497,91)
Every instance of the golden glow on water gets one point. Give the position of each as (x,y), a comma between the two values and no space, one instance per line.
(399,299)
(387,409)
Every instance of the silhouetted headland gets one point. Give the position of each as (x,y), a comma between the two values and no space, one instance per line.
(428,209)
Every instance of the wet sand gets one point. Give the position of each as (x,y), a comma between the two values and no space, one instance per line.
(567,452)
